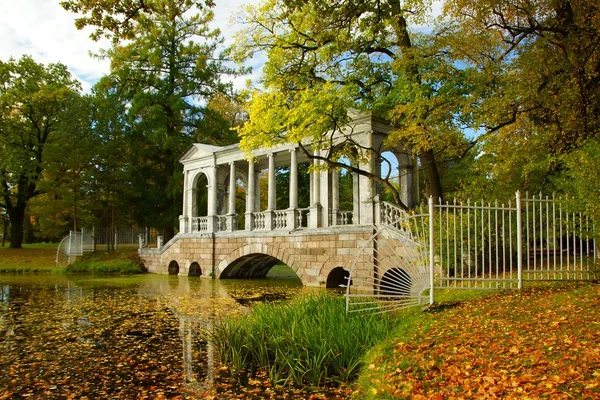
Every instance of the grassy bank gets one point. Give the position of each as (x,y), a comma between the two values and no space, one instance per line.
(306,341)
(102,263)
(32,258)
(540,342)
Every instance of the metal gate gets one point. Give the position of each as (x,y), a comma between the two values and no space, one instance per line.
(464,245)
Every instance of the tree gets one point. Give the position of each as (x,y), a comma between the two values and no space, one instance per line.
(35,118)
(326,58)
(165,56)
(539,67)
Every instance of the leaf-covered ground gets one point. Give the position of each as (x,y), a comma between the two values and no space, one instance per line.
(534,343)
(31,258)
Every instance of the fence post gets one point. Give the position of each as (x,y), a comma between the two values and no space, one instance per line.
(141,241)
(69,248)
(116,240)
(431,251)
(519,242)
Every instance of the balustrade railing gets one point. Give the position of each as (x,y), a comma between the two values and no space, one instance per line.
(391,214)
(199,224)
(303,217)
(280,220)
(223,223)
(260,220)
(344,218)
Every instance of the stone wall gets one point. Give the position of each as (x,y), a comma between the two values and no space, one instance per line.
(311,256)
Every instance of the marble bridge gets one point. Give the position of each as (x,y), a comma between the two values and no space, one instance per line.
(232,225)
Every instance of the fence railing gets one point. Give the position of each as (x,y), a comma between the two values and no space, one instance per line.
(77,243)
(490,245)
(472,245)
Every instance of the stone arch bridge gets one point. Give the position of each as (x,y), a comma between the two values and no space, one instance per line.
(228,230)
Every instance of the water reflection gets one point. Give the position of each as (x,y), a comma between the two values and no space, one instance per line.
(128,337)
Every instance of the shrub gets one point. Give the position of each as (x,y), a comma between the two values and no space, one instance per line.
(107,263)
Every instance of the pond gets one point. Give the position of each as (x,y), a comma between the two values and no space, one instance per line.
(126,337)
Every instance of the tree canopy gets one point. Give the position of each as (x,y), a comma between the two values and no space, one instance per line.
(325,59)
(166,61)
(538,88)
(37,121)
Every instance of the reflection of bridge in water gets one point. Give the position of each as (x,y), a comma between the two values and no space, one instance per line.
(199,304)
(227,232)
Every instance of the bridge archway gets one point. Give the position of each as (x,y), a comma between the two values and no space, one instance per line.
(195,269)
(255,265)
(337,277)
(253,261)
(173,268)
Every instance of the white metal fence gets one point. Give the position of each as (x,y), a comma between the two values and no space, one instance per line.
(76,244)
(465,245)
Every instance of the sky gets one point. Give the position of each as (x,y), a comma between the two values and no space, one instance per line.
(45,31)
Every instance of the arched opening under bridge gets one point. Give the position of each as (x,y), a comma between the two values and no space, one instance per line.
(173,268)
(257,265)
(195,269)
(337,278)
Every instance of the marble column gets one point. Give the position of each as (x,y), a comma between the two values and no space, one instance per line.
(231,215)
(335,195)
(212,200)
(272,195)
(291,213)
(250,196)
(315,207)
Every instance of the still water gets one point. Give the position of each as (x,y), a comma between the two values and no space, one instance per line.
(131,337)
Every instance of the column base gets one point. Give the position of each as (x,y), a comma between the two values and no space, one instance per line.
(315,216)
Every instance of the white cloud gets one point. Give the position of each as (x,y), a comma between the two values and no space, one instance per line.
(45,31)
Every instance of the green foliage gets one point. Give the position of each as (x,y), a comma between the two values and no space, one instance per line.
(328,59)
(167,91)
(39,118)
(537,91)
(309,340)
(107,263)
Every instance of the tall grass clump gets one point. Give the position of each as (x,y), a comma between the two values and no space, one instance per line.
(307,341)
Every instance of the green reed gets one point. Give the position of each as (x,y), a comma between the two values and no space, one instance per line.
(307,341)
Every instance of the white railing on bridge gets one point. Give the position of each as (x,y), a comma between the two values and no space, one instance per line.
(303,217)
(260,220)
(280,220)
(222,223)
(344,218)
(199,224)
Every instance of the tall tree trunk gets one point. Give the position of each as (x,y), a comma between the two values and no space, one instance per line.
(17,218)
(3,229)
(433,185)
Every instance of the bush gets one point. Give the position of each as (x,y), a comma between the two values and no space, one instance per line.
(309,340)
(108,263)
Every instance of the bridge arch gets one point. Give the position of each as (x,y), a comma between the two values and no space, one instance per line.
(254,261)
